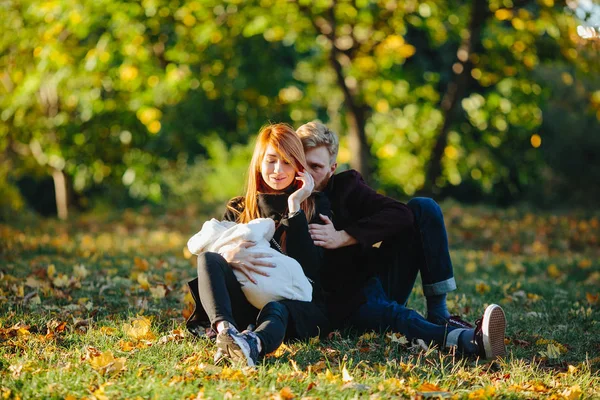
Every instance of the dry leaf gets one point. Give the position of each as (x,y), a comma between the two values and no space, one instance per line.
(346,377)
(141,264)
(286,393)
(396,337)
(280,351)
(174,336)
(142,279)
(107,364)
(157,292)
(139,329)
(80,271)
(51,270)
(429,387)
(572,393)
(591,298)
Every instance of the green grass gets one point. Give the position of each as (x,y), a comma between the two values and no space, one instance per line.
(67,290)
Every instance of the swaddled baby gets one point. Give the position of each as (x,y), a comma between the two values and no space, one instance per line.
(285,281)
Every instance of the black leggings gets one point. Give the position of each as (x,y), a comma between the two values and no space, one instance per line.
(223,300)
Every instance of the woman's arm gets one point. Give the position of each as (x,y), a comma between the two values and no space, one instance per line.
(299,244)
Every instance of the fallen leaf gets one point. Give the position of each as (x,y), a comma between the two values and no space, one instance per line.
(139,329)
(396,337)
(429,387)
(142,279)
(592,298)
(286,393)
(346,377)
(572,393)
(80,271)
(141,264)
(158,292)
(107,364)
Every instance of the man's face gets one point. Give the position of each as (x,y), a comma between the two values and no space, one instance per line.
(320,166)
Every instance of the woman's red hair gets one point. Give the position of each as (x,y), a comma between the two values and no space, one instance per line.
(288,145)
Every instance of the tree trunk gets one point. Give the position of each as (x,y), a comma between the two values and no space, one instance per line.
(455,92)
(356,120)
(60,191)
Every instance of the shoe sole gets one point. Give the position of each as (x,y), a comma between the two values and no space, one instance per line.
(232,347)
(493,329)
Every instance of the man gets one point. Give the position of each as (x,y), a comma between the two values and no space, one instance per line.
(410,238)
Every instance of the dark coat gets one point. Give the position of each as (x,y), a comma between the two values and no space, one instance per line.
(370,218)
(307,319)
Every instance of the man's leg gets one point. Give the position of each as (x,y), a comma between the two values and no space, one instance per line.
(428,253)
(381,313)
(435,264)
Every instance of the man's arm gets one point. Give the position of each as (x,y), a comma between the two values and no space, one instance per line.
(371,218)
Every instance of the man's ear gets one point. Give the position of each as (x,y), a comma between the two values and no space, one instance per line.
(333,167)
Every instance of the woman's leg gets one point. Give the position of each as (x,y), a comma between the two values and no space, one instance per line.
(271,326)
(221,294)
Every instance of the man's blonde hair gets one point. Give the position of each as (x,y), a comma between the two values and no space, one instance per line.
(315,134)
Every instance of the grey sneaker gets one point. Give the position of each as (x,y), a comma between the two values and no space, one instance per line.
(490,331)
(241,348)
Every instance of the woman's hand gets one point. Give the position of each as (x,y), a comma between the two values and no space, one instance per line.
(296,198)
(240,259)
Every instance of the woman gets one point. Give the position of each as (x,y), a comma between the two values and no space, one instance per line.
(277,188)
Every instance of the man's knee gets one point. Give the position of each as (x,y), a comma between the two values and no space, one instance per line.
(424,207)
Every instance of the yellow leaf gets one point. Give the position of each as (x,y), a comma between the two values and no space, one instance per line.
(346,377)
(158,292)
(429,387)
(552,352)
(107,363)
(107,330)
(126,346)
(286,393)
(176,379)
(51,270)
(553,271)
(572,393)
(367,337)
(139,329)
(141,264)
(397,338)
(281,350)
(80,271)
(330,376)
(482,288)
(585,263)
(61,281)
(314,340)
(143,281)
(591,298)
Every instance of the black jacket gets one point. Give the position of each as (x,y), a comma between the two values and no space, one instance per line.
(370,218)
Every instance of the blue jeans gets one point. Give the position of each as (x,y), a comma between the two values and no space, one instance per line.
(381,313)
(428,254)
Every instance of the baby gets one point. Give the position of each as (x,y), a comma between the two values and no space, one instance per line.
(285,281)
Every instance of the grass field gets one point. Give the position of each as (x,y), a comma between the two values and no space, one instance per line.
(94,308)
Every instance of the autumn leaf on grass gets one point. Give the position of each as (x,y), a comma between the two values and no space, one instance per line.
(141,264)
(158,292)
(51,271)
(142,279)
(396,337)
(80,271)
(174,336)
(572,393)
(346,377)
(591,298)
(139,329)
(553,271)
(280,351)
(61,280)
(482,288)
(552,352)
(286,393)
(432,390)
(107,364)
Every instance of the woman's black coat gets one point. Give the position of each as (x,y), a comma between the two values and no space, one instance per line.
(307,319)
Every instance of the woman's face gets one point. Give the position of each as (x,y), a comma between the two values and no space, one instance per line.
(275,171)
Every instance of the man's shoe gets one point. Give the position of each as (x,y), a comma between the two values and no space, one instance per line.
(489,333)
(242,347)
(220,356)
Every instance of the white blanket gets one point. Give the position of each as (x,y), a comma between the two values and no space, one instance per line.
(285,281)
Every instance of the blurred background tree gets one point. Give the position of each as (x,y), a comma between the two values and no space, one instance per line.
(116,103)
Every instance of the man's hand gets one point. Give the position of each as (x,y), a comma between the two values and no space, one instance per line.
(247,263)
(326,236)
